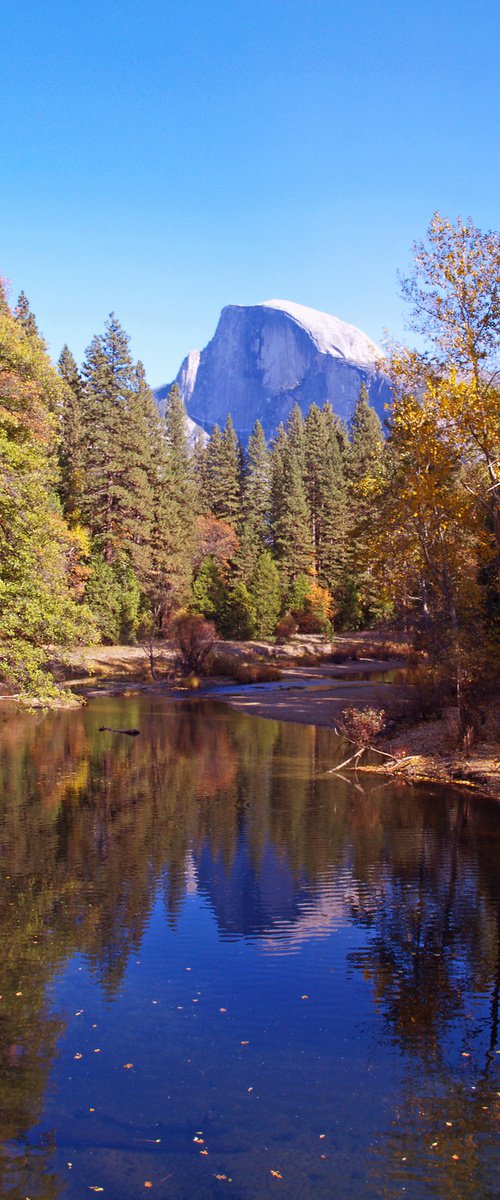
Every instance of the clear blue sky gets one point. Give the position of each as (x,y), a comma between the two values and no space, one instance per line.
(163,158)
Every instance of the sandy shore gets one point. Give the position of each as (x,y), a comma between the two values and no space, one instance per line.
(310,695)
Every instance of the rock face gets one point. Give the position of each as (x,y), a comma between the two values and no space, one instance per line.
(264,358)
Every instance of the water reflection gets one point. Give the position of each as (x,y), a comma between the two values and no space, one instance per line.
(241,816)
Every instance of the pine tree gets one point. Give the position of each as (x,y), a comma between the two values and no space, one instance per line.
(291,516)
(367,440)
(70,447)
(326,492)
(255,502)
(26,319)
(117,500)
(265,591)
(223,474)
(366,483)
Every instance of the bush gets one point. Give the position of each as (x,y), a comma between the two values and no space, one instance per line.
(361,725)
(255,673)
(193,639)
(286,628)
(228,665)
(311,605)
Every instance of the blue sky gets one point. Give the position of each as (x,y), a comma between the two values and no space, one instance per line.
(163,159)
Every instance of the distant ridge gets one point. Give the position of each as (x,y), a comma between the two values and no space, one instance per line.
(264,358)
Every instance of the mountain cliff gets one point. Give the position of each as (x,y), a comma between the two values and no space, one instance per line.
(264,358)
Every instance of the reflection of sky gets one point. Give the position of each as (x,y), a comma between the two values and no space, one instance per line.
(267,901)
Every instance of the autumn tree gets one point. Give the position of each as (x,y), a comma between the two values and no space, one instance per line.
(454,293)
(38,553)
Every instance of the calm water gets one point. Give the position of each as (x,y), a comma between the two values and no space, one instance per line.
(225,972)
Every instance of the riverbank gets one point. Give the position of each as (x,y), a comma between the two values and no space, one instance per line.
(312,690)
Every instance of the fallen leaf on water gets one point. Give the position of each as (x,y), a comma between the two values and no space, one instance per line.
(276,1174)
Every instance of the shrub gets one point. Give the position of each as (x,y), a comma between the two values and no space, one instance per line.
(193,639)
(255,673)
(286,628)
(361,725)
(220,663)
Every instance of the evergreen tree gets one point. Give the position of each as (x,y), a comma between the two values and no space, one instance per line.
(209,589)
(367,440)
(223,474)
(265,591)
(70,446)
(366,484)
(236,618)
(291,516)
(255,503)
(326,492)
(181,460)
(117,499)
(26,319)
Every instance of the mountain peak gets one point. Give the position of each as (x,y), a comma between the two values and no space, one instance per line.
(264,358)
(329,333)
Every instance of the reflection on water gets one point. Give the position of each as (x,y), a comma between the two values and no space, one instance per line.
(221,965)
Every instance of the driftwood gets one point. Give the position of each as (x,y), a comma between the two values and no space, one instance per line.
(129,732)
(392,765)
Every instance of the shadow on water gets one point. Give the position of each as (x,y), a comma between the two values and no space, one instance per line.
(220,962)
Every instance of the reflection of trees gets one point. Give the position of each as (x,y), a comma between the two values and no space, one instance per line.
(432,952)
(94,825)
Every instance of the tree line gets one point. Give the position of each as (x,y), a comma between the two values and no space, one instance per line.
(112,519)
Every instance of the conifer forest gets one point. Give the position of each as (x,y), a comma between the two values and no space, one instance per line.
(113,521)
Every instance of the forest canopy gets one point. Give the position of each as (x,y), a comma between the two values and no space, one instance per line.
(112,520)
